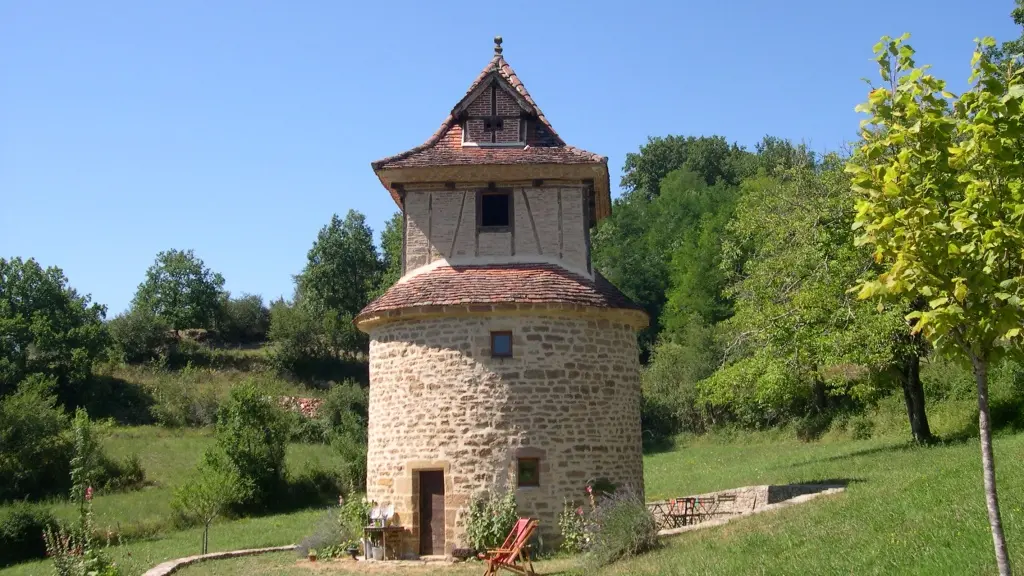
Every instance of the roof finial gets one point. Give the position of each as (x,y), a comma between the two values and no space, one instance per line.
(497,45)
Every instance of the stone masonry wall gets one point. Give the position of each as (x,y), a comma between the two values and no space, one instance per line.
(549,223)
(570,395)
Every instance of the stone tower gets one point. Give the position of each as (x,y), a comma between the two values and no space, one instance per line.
(500,358)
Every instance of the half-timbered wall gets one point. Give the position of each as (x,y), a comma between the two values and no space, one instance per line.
(548,225)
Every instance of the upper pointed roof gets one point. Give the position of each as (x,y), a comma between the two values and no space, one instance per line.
(543,145)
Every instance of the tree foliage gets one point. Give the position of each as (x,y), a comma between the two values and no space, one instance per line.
(46,327)
(243,320)
(664,250)
(391,253)
(792,259)
(343,273)
(342,267)
(181,291)
(711,158)
(34,445)
(252,435)
(208,494)
(940,186)
(138,335)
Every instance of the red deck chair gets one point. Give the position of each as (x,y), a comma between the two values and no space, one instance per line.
(512,554)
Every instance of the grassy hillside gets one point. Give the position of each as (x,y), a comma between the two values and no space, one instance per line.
(144,516)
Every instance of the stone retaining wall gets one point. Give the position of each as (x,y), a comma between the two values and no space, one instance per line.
(737,501)
(172,566)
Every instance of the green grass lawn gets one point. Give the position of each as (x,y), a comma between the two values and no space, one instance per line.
(907,510)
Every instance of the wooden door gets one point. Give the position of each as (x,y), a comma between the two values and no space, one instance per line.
(431,512)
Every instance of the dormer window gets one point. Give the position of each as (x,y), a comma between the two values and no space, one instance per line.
(493,118)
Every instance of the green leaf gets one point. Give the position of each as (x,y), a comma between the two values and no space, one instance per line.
(867,290)
(933,304)
(1012,333)
(960,292)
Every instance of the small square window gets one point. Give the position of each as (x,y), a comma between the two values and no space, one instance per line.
(501,344)
(529,472)
(495,210)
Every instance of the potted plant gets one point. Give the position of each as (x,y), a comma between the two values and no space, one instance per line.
(352,548)
(311,555)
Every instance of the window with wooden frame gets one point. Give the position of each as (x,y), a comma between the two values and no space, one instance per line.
(494,210)
(528,472)
(501,344)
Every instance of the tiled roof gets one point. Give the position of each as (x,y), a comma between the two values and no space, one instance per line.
(448,151)
(500,284)
(444,148)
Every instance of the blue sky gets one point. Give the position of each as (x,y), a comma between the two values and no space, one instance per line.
(238,128)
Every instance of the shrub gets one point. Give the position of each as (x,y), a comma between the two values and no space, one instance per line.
(343,411)
(813,426)
(490,519)
(21,529)
(672,402)
(126,474)
(338,529)
(244,320)
(299,345)
(138,335)
(351,450)
(314,486)
(622,527)
(861,427)
(251,437)
(180,402)
(34,444)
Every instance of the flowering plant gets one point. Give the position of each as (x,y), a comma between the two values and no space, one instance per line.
(574,527)
(72,548)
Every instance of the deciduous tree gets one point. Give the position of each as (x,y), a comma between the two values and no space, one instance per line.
(391,248)
(341,274)
(940,182)
(46,327)
(797,337)
(180,290)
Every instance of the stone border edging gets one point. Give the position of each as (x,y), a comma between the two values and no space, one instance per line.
(172,566)
(767,508)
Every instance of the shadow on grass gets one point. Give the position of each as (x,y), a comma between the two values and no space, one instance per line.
(856,453)
(126,402)
(842,482)
(656,444)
